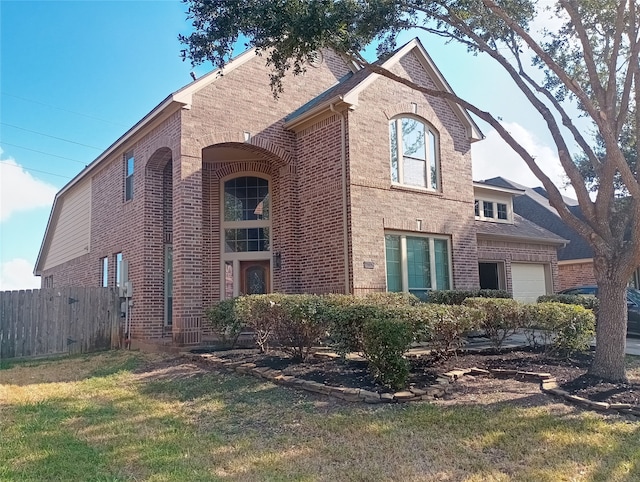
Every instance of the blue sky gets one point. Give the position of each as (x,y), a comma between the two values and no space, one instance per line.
(75,75)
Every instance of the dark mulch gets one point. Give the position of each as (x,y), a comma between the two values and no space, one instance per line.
(569,372)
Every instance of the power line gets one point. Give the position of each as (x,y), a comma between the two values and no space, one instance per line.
(42,152)
(53,137)
(33,170)
(62,109)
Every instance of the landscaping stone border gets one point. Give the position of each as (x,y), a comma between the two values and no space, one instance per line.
(442,387)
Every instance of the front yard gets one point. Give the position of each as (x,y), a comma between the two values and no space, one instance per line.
(130,416)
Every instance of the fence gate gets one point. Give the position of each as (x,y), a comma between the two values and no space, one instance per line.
(55,321)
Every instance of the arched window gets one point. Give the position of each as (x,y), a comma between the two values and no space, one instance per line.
(246,214)
(414,153)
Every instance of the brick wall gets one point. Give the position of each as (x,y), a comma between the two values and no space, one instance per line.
(509,251)
(571,275)
(376,206)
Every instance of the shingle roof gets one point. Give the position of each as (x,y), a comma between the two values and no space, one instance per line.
(520,229)
(534,206)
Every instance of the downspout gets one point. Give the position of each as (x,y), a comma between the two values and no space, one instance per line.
(345,221)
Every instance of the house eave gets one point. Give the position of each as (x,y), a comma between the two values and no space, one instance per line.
(320,112)
(523,239)
(507,190)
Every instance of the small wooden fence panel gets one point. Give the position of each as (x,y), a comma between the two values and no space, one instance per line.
(55,321)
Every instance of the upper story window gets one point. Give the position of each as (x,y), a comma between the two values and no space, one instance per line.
(414,153)
(128,176)
(246,215)
(492,210)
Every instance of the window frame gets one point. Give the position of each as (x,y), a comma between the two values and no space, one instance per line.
(118,262)
(233,259)
(480,212)
(431,153)
(404,271)
(104,272)
(128,175)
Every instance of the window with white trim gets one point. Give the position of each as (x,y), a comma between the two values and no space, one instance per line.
(414,153)
(417,264)
(488,210)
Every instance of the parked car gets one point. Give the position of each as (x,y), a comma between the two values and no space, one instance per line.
(633,304)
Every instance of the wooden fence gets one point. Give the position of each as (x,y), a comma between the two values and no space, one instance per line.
(55,321)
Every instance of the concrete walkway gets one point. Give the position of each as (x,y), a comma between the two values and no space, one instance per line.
(633,344)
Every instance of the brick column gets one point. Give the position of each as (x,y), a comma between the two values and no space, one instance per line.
(187,250)
(148,312)
(285,237)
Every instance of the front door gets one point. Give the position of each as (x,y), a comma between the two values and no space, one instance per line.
(255,277)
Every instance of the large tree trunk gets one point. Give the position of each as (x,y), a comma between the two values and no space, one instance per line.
(611,328)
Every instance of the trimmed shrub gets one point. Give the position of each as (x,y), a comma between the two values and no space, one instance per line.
(586,301)
(261,313)
(302,324)
(561,327)
(500,318)
(457,297)
(390,298)
(445,325)
(224,321)
(385,339)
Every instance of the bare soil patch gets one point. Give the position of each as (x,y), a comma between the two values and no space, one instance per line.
(571,375)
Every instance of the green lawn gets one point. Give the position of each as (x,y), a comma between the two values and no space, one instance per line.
(130,416)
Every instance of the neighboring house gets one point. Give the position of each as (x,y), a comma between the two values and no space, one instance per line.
(575,260)
(514,254)
(349,183)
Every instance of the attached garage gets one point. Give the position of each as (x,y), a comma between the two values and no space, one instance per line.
(529,280)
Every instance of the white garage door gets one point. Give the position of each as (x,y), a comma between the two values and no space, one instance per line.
(528,281)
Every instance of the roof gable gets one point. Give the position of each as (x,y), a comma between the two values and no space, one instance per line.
(347,91)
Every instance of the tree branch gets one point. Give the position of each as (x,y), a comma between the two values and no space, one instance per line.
(554,194)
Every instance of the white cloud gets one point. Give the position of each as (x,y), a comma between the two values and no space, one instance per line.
(17,274)
(493,157)
(20,191)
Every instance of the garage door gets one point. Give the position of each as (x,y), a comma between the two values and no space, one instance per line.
(528,281)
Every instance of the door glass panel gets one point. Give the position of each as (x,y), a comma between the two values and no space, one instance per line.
(228,279)
(256,280)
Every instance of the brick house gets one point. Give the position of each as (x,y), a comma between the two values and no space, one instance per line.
(514,254)
(349,183)
(575,259)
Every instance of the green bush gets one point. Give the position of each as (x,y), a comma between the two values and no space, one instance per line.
(563,328)
(261,313)
(346,315)
(586,301)
(385,338)
(302,324)
(500,318)
(224,321)
(457,297)
(445,325)
(390,298)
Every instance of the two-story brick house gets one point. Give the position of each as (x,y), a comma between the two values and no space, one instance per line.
(348,183)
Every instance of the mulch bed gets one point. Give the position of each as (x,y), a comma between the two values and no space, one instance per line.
(570,372)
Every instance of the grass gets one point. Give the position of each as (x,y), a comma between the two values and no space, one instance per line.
(129,416)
